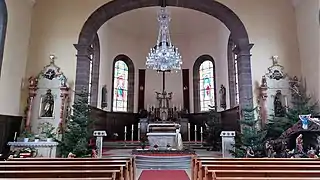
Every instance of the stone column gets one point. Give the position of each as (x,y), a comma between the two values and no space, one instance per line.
(228,141)
(83,67)
(244,74)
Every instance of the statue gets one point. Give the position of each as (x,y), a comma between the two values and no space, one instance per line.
(249,152)
(268,149)
(277,103)
(48,105)
(222,92)
(299,144)
(63,80)
(104,92)
(33,81)
(179,139)
(305,120)
(312,153)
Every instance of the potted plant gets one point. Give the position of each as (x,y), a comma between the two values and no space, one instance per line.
(26,134)
(36,138)
(48,130)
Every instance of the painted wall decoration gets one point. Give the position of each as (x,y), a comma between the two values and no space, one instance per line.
(207,94)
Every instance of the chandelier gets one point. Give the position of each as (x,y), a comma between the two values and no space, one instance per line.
(164,56)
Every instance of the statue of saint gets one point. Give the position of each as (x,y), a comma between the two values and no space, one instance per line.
(268,149)
(277,103)
(104,97)
(48,105)
(249,152)
(299,144)
(223,102)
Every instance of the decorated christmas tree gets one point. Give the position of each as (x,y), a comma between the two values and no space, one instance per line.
(213,130)
(76,138)
(250,136)
(301,104)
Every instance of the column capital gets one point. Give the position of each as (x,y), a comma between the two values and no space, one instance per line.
(83,49)
(243,50)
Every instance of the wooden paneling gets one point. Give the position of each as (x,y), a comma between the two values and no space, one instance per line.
(141,94)
(186,89)
(8,126)
(114,122)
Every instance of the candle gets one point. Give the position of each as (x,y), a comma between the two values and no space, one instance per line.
(15,136)
(188,125)
(195,127)
(125,129)
(132,127)
(138,125)
(286,101)
(180,107)
(201,129)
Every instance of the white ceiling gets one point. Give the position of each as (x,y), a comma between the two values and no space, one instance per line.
(143,22)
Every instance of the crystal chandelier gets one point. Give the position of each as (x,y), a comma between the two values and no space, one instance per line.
(164,56)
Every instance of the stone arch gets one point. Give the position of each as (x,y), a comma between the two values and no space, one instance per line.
(210,7)
(131,71)
(3,28)
(196,80)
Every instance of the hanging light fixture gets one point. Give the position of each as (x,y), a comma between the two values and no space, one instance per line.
(164,56)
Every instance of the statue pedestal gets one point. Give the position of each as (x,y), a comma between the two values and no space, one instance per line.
(228,140)
(44,149)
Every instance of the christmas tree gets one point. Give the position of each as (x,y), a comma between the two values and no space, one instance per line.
(213,130)
(250,136)
(301,104)
(77,134)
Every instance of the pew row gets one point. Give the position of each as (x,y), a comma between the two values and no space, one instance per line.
(114,167)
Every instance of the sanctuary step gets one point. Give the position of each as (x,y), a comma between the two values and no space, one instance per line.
(136,144)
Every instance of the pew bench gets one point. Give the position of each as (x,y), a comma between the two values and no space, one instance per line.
(102,178)
(266,178)
(61,174)
(124,164)
(214,174)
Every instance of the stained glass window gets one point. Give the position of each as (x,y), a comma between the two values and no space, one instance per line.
(120,85)
(207,94)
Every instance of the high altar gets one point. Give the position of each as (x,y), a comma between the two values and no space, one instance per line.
(163,125)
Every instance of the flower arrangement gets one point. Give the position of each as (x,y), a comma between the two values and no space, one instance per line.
(48,130)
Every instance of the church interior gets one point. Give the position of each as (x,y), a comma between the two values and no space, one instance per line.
(148,89)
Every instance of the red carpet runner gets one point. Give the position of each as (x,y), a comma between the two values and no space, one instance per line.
(164,175)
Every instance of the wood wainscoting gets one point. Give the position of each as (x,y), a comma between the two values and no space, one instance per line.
(8,126)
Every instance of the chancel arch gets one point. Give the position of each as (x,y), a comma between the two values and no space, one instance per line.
(122,84)
(212,8)
(204,83)
(3,28)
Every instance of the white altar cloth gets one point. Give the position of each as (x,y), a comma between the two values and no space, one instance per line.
(43,148)
(162,140)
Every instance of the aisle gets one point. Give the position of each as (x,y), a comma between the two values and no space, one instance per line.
(164,175)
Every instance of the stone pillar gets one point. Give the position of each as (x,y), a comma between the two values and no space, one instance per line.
(228,141)
(244,74)
(99,135)
(83,67)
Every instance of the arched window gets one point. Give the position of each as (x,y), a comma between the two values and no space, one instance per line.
(204,83)
(3,28)
(123,84)
(94,66)
(233,74)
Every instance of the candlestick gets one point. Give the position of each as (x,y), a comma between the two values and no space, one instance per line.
(15,136)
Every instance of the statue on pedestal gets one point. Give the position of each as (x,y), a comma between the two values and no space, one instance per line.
(223,102)
(278,107)
(48,105)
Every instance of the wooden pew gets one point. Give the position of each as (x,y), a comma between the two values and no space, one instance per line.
(200,163)
(104,178)
(124,165)
(215,174)
(61,174)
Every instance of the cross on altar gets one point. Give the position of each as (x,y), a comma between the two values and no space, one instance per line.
(164,98)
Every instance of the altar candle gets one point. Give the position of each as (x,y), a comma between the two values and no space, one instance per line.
(180,107)
(286,101)
(15,136)
(195,127)
(125,129)
(201,129)
(132,127)
(188,125)
(138,125)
